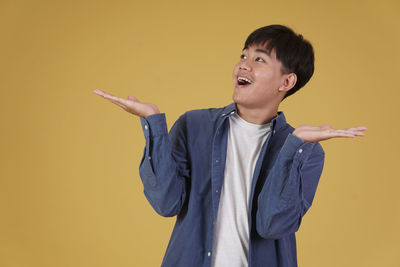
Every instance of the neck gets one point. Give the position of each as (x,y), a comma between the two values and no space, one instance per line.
(257,115)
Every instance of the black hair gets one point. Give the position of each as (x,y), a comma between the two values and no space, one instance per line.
(294,52)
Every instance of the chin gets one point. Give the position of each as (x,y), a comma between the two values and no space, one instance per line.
(238,97)
(240,101)
(235,97)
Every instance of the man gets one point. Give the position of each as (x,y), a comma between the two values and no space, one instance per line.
(238,178)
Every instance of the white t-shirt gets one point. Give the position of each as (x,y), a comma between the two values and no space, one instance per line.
(231,235)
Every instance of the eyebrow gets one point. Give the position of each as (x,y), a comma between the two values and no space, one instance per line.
(261,51)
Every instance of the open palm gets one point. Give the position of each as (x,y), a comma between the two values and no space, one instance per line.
(310,133)
(132,104)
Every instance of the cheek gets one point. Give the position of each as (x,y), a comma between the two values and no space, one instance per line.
(268,79)
(263,75)
(235,69)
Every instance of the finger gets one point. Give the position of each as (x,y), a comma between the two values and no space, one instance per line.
(117,99)
(341,133)
(345,135)
(102,93)
(119,104)
(356,131)
(360,128)
(326,126)
(99,92)
(133,98)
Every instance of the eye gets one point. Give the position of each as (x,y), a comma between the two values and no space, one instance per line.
(259,59)
(243,56)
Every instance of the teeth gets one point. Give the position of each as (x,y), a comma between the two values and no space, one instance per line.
(244,79)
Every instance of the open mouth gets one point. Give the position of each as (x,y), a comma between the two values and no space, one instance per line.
(243,81)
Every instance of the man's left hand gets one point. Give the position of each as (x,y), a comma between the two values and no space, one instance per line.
(309,133)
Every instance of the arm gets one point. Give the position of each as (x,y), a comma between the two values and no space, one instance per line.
(289,189)
(292,182)
(164,167)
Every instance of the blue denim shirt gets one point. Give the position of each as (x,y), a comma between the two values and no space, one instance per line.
(182,173)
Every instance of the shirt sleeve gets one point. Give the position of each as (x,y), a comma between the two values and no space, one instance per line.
(164,166)
(289,189)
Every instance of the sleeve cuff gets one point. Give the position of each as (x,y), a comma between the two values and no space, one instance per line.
(154,125)
(291,145)
(294,145)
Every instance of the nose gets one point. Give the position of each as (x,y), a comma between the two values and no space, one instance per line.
(244,65)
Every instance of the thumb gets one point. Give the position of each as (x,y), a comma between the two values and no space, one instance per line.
(134,99)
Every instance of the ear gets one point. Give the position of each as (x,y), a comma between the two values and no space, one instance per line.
(289,82)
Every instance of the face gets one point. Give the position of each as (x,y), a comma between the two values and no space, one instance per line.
(257,77)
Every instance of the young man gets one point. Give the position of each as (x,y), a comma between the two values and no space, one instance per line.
(238,178)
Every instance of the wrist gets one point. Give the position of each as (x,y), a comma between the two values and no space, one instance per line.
(150,114)
(297,135)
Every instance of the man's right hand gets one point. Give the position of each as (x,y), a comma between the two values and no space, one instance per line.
(132,104)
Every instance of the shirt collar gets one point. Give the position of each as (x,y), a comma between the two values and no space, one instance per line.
(277,123)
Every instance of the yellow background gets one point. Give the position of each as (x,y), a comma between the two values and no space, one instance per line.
(70,192)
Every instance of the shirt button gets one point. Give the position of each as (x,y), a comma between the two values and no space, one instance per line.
(146,127)
(274,131)
(216,161)
(149,157)
(209,254)
(223,114)
(232,112)
(216,191)
(300,150)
